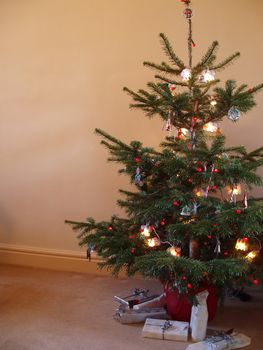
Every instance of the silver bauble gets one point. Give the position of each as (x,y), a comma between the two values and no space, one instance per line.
(234,114)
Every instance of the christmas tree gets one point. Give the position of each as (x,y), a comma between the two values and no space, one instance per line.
(191,220)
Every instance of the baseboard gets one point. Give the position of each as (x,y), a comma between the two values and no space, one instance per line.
(60,260)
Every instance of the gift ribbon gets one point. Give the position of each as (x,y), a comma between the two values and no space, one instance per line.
(167,325)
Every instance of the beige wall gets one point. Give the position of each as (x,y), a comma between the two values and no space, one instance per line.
(63,64)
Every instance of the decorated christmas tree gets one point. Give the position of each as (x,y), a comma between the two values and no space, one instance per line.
(190,220)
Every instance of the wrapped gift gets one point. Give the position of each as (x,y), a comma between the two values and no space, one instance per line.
(135,297)
(165,330)
(125,315)
(222,342)
(159,301)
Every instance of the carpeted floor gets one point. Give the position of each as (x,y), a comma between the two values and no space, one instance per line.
(47,310)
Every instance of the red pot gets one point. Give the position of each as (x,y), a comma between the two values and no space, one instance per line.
(179,308)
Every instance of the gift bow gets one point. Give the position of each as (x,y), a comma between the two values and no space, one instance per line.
(165,326)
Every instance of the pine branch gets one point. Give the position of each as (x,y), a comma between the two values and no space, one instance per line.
(224,63)
(164,67)
(170,52)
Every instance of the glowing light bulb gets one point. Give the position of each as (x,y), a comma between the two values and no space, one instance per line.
(210,127)
(213,103)
(250,256)
(241,244)
(235,190)
(186,74)
(184,131)
(152,242)
(145,231)
(174,251)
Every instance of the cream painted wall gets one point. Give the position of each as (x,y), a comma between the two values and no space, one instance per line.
(63,64)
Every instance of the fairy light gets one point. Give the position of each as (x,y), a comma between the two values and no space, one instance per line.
(145,231)
(152,242)
(250,256)
(242,244)
(210,127)
(174,251)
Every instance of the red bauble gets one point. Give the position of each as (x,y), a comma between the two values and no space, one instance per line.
(189,286)
(214,187)
(162,222)
(255,281)
(137,160)
(216,170)
(110,228)
(176,204)
(199,170)
(245,239)
(190,180)
(133,250)
(226,253)
(238,211)
(130,237)
(209,237)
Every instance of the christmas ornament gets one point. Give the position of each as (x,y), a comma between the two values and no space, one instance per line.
(218,246)
(137,159)
(234,191)
(174,251)
(234,114)
(138,177)
(186,74)
(211,127)
(238,211)
(176,204)
(207,76)
(171,87)
(245,200)
(110,228)
(188,13)
(186,211)
(168,124)
(242,244)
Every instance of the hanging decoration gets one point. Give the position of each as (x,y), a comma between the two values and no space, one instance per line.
(207,76)
(234,191)
(186,74)
(171,87)
(186,211)
(138,177)
(234,114)
(168,125)
(245,201)
(188,13)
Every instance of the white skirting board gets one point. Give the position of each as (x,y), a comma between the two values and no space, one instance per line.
(60,260)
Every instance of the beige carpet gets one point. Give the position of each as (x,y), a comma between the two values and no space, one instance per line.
(49,310)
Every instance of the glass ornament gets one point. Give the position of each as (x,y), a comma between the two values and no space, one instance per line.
(234,114)
(186,74)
